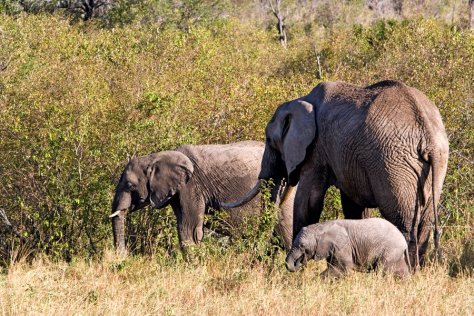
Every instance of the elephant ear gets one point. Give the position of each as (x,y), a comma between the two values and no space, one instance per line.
(298,131)
(167,174)
(330,237)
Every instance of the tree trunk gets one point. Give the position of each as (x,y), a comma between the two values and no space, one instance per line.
(88,6)
(471,14)
(276,9)
(281,30)
(398,7)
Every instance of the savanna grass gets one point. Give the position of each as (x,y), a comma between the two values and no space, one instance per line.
(230,284)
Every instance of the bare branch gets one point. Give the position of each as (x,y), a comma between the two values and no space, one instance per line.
(4,218)
(4,64)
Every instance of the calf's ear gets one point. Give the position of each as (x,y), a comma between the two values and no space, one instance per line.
(329,237)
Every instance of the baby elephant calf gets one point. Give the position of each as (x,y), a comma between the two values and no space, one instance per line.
(364,244)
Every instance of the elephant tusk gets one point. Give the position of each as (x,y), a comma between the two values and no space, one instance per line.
(250,195)
(285,193)
(117,213)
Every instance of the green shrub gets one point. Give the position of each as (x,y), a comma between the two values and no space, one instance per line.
(75,100)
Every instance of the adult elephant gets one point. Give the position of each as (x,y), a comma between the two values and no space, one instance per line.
(193,179)
(382,145)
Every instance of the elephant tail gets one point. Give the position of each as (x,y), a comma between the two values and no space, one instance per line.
(407,258)
(434,149)
(438,159)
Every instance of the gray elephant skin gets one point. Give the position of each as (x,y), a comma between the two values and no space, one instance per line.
(193,179)
(382,145)
(363,245)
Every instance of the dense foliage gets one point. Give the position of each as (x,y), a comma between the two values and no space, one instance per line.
(77,99)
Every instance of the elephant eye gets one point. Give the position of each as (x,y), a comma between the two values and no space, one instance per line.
(130,186)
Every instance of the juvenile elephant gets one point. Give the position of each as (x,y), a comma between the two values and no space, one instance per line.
(192,179)
(382,145)
(364,245)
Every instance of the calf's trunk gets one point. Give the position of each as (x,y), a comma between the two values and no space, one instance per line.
(290,264)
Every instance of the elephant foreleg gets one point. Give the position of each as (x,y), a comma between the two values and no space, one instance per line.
(353,210)
(190,220)
(398,268)
(308,207)
(423,236)
(333,271)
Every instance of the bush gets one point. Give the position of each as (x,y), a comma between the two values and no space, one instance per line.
(75,100)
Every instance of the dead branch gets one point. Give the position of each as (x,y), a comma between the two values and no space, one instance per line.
(275,7)
(4,218)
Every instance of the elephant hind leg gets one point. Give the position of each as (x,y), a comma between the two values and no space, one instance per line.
(420,234)
(401,205)
(333,271)
(399,268)
(423,236)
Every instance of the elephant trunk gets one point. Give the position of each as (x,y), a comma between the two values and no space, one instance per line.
(118,227)
(249,196)
(120,205)
(290,262)
(294,260)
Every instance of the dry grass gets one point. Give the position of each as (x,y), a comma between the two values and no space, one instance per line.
(228,285)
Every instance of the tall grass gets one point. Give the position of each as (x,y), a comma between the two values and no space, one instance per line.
(223,285)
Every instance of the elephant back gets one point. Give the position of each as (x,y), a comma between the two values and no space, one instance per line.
(226,171)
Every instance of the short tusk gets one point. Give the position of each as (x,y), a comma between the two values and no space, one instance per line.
(287,191)
(117,213)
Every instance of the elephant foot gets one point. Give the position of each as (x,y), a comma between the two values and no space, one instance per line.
(402,275)
(331,273)
(399,269)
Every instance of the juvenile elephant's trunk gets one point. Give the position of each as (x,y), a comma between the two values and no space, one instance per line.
(249,196)
(294,260)
(290,264)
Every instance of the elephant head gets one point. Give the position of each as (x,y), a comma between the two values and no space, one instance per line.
(316,242)
(289,135)
(152,179)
